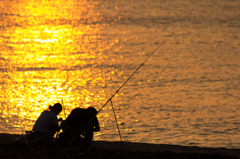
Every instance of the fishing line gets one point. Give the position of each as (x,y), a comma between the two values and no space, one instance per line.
(117,123)
(116,92)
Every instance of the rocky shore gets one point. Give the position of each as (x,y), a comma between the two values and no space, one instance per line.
(10,148)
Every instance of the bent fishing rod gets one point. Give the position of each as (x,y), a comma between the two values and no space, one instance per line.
(116,91)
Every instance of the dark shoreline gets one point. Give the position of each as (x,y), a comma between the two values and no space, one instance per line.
(104,149)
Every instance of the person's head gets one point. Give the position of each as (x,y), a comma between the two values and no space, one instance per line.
(92,109)
(56,108)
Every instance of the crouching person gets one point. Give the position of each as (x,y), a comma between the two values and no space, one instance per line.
(46,125)
(80,125)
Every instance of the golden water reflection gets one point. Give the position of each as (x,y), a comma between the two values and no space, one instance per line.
(50,51)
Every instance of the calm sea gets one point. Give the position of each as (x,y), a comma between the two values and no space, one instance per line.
(80,52)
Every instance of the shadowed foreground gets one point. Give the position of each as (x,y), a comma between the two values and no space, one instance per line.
(104,149)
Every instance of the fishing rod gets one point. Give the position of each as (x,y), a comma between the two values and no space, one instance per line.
(116,92)
(116,123)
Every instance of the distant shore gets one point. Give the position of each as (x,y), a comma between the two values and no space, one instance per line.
(105,149)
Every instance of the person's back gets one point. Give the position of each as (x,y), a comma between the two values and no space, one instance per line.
(45,121)
(80,120)
(79,117)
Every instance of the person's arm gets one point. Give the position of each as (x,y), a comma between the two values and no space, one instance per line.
(96,126)
(55,126)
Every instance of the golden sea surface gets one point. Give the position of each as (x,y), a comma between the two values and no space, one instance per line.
(50,50)
(79,53)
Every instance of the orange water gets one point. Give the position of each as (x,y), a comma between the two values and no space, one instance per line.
(81,52)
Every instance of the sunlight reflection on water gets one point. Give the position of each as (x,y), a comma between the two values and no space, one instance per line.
(50,56)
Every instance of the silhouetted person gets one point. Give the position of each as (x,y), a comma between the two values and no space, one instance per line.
(84,120)
(47,122)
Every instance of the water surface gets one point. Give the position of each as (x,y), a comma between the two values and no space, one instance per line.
(81,52)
